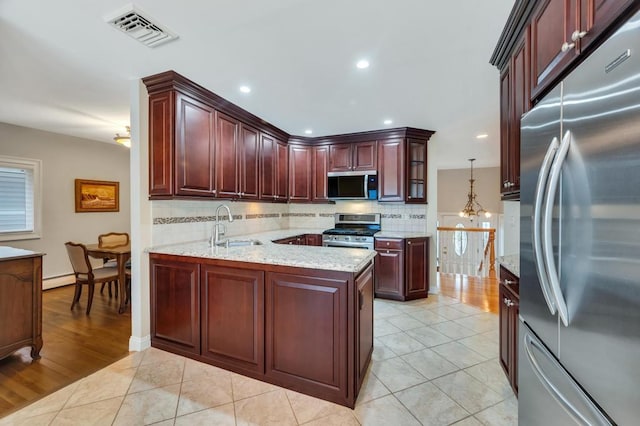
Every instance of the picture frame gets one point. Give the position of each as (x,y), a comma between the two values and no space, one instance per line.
(97,196)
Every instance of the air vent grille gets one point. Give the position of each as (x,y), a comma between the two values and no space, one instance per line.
(141,28)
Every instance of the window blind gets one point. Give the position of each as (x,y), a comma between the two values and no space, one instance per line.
(16,200)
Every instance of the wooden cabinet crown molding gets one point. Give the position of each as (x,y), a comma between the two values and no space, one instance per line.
(516,22)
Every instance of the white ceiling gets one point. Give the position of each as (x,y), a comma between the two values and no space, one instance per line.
(65,70)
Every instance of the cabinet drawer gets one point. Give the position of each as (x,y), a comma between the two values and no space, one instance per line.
(389,243)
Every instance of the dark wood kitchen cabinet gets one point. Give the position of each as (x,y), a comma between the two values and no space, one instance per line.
(514,102)
(274,166)
(20,301)
(391,170)
(305,329)
(402,268)
(300,172)
(319,172)
(402,170)
(347,157)
(562,30)
(227,131)
(249,163)
(541,43)
(313,239)
(509,308)
(195,147)
(175,306)
(233,316)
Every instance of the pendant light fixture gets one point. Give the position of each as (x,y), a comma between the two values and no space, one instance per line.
(124,139)
(473,207)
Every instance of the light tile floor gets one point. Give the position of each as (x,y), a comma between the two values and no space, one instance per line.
(435,362)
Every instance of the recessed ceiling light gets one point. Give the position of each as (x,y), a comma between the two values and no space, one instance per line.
(387,122)
(362,64)
(245,89)
(308,131)
(482,136)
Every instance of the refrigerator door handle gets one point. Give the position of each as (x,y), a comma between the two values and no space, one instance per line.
(543,277)
(590,414)
(547,239)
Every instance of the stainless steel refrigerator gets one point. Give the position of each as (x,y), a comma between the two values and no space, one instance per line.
(579,336)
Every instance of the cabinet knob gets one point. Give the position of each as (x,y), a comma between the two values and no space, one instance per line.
(567,46)
(408,242)
(509,282)
(577,35)
(505,301)
(387,251)
(387,243)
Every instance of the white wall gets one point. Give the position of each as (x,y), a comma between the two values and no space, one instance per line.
(64,159)
(511,227)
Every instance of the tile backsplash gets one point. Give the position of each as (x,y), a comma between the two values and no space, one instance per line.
(176,221)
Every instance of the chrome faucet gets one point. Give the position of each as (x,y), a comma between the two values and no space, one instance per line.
(217,233)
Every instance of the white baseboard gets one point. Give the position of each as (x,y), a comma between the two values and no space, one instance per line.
(138,344)
(58,281)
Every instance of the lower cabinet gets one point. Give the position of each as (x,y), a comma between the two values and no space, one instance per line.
(233,316)
(307,330)
(302,240)
(509,310)
(402,268)
(20,301)
(175,306)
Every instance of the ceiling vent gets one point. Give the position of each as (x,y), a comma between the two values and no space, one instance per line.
(132,22)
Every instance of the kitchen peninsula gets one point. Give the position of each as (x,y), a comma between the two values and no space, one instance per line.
(300,317)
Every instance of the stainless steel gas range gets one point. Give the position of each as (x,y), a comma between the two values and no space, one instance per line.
(352,230)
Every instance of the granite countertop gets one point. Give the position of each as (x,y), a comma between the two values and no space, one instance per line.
(327,258)
(511,262)
(7,253)
(402,234)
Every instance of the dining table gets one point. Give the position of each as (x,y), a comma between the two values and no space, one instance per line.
(122,253)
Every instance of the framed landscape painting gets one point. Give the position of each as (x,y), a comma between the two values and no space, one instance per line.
(97,196)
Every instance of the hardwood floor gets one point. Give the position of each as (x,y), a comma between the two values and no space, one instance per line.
(75,345)
(475,291)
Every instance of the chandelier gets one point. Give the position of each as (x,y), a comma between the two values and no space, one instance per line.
(473,207)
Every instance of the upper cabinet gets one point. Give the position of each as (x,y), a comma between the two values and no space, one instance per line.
(541,43)
(347,157)
(201,145)
(402,169)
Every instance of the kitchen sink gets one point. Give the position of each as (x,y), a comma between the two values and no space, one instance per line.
(241,243)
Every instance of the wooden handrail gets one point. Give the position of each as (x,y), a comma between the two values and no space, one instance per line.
(445,228)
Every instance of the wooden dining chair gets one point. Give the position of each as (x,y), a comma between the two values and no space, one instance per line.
(85,274)
(112,239)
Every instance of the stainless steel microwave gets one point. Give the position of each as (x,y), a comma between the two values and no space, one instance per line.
(352,185)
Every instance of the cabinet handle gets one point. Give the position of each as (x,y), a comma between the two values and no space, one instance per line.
(213,192)
(577,35)
(509,282)
(408,242)
(387,251)
(387,243)
(506,301)
(505,184)
(567,46)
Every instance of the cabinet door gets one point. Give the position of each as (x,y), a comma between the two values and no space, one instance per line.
(195,147)
(389,273)
(505,133)
(248,162)
(596,16)
(417,268)
(300,173)
(320,164)
(416,171)
(391,171)
(268,167)
(340,157)
(552,24)
(365,156)
(307,331)
(282,175)
(313,240)
(161,143)
(175,306)
(232,303)
(364,342)
(520,101)
(227,129)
